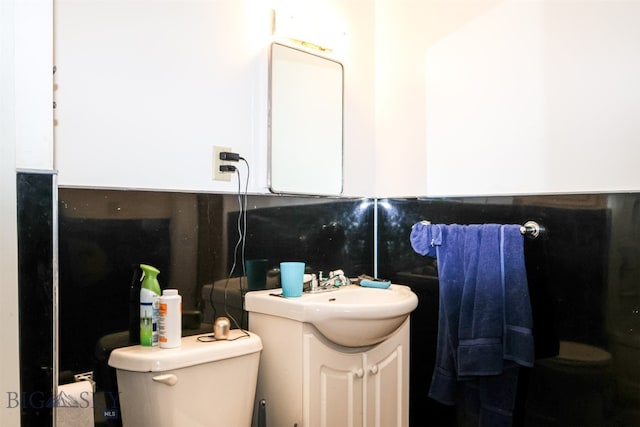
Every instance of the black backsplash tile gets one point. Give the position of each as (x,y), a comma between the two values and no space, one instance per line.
(327,236)
(105,235)
(567,266)
(584,273)
(584,280)
(35,298)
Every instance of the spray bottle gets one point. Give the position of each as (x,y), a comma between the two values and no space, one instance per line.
(134,305)
(149,305)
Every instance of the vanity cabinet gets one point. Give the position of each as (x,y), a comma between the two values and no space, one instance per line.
(307,380)
(355,389)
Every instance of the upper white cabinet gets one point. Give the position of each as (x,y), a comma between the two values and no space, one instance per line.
(145,89)
(507,97)
(440,99)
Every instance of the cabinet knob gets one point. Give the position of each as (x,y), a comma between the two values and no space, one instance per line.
(373,369)
(359,373)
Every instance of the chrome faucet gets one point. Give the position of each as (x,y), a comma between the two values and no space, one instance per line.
(336,279)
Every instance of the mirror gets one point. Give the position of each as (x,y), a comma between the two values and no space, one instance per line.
(305,122)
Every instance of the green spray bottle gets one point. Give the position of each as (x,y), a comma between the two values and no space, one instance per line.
(149,305)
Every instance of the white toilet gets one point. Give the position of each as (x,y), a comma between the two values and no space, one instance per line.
(626,361)
(573,388)
(201,383)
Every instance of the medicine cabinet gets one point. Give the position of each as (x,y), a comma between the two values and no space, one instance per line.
(305,122)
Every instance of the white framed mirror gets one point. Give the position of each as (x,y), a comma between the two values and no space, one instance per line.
(305,122)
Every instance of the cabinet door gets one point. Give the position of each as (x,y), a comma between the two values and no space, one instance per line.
(146,89)
(386,397)
(333,389)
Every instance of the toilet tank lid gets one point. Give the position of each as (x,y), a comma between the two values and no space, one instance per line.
(192,352)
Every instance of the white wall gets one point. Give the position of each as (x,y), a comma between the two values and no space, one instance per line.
(516,97)
(399,99)
(9,69)
(485,104)
(359,100)
(593,95)
(34,84)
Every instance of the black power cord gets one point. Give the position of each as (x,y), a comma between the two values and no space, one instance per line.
(242,230)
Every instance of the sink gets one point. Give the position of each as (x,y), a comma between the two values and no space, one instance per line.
(351,316)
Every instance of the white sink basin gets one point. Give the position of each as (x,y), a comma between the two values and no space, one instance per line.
(351,316)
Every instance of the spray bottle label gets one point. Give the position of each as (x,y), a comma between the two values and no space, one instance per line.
(148,318)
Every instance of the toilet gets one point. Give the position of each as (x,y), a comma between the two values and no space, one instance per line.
(626,362)
(202,383)
(574,388)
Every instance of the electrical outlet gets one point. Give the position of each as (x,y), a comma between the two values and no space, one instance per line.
(217,175)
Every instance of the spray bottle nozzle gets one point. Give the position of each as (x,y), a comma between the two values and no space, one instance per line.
(148,270)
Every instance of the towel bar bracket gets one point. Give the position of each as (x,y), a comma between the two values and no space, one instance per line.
(531,229)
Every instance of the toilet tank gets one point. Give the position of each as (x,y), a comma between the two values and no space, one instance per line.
(201,383)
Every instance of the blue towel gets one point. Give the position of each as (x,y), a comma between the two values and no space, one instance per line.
(428,239)
(482,304)
(485,315)
(477,399)
(517,339)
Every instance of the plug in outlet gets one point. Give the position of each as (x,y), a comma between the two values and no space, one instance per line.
(217,175)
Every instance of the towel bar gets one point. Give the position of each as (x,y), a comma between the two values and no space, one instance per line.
(530,229)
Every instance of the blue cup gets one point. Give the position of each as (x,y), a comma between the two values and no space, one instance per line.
(291,278)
